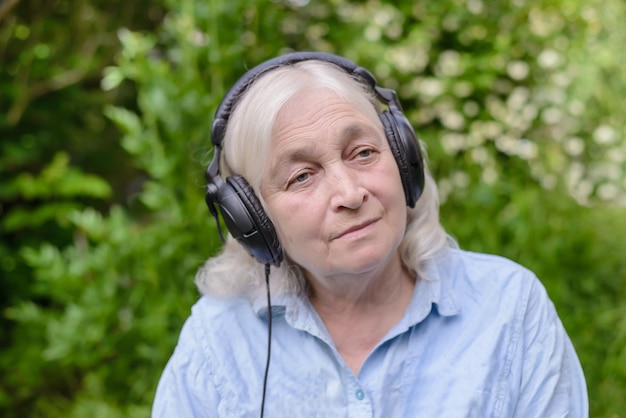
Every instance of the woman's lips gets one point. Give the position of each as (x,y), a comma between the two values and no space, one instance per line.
(356,228)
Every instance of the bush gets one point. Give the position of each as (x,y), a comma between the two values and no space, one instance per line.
(525,138)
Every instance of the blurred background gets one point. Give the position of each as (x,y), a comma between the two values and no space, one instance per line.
(105,112)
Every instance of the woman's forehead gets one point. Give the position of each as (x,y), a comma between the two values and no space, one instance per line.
(317,114)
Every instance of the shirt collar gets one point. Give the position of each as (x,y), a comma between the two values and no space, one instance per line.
(433,290)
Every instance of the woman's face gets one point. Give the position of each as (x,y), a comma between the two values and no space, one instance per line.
(332,187)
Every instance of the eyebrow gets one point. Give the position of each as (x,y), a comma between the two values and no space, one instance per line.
(304,152)
(352,131)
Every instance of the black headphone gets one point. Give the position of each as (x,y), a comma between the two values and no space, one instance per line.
(240,207)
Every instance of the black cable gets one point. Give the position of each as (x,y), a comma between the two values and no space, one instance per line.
(269,335)
(217,222)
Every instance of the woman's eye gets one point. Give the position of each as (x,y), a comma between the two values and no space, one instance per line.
(302,177)
(365,153)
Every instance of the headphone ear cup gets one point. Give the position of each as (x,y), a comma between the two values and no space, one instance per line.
(405,148)
(247,221)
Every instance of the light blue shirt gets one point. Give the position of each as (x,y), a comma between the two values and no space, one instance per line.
(480,339)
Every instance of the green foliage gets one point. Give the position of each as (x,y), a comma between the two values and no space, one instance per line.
(103,229)
(51,56)
(57,180)
(113,302)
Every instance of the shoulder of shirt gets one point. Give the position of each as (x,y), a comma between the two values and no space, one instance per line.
(480,262)
(488,273)
(210,308)
(489,283)
(485,258)
(218,326)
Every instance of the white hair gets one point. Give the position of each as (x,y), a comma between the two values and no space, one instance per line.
(246,146)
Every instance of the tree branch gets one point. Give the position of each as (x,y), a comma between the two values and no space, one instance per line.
(58,81)
(6,6)
(55,83)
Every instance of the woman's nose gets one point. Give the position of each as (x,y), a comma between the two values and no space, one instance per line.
(347,190)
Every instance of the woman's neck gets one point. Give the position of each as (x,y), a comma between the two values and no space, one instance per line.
(360,312)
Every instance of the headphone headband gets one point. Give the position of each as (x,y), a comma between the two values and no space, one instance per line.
(224,110)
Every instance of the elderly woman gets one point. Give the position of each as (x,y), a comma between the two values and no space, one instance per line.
(373,310)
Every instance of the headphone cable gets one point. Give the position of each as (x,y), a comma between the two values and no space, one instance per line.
(269,335)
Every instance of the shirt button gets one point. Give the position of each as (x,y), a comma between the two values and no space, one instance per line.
(359,394)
